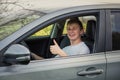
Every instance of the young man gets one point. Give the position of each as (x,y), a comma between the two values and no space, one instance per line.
(77,46)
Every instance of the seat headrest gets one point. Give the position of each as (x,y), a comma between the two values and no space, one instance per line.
(90,29)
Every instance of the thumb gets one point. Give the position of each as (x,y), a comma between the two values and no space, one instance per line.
(55,42)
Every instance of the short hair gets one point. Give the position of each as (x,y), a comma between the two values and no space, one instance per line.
(75,20)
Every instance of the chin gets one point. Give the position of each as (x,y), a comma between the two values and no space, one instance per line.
(72,39)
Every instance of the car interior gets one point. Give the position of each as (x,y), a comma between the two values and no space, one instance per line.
(41,45)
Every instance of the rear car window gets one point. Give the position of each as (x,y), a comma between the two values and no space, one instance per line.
(115,21)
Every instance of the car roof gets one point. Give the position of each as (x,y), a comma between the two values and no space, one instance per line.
(32,25)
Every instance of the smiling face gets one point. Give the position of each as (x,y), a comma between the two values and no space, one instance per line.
(74,32)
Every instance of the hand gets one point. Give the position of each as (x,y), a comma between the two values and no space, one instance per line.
(55,49)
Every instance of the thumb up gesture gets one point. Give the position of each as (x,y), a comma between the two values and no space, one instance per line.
(55,49)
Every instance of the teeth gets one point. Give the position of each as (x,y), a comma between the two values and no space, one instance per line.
(71,34)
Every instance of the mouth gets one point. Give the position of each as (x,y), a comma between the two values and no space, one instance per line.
(71,35)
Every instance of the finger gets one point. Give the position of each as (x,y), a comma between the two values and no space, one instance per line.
(52,47)
(55,42)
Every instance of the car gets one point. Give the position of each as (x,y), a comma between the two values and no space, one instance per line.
(101,35)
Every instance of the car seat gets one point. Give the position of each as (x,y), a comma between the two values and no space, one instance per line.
(90,34)
(65,42)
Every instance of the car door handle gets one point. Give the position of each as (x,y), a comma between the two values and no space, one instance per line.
(94,72)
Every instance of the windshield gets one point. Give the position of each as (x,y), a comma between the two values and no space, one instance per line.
(13,26)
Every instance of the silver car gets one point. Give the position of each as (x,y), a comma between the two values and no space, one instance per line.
(101,35)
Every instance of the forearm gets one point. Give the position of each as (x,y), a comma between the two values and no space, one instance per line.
(36,57)
(62,53)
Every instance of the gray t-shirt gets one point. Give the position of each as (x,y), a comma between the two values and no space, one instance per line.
(80,48)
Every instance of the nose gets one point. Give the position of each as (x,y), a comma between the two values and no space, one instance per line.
(70,31)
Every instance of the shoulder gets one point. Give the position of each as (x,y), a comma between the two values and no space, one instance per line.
(84,48)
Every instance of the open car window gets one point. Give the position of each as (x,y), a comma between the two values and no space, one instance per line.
(42,33)
(40,42)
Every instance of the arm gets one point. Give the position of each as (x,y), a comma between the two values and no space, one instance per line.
(36,57)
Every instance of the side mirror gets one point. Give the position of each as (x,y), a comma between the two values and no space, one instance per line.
(17,54)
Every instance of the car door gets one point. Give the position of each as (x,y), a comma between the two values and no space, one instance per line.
(113,45)
(86,67)
(78,67)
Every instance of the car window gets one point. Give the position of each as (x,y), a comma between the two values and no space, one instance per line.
(13,26)
(115,21)
(40,42)
(42,33)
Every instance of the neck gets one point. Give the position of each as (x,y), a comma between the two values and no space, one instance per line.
(74,42)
